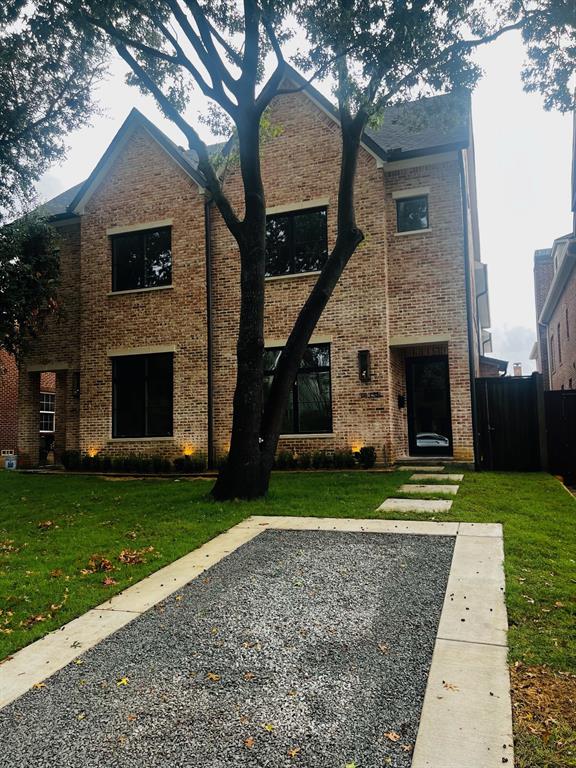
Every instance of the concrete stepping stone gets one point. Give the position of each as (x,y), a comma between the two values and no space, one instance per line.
(451,489)
(425,476)
(413,468)
(415,505)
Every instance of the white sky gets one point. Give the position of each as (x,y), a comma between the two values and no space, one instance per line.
(523,161)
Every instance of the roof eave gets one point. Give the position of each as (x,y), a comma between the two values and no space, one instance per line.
(558,284)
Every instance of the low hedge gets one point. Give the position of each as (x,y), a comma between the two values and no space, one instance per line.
(74,461)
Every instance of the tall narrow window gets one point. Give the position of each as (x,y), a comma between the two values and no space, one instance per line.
(47,411)
(142,259)
(552,353)
(567,324)
(142,395)
(310,404)
(559,342)
(296,242)
(412,213)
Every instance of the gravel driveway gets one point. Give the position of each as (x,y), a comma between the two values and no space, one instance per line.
(301,648)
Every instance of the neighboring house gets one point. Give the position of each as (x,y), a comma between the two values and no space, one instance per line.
(9,408)
(144,352)
(492,366)
(555,294)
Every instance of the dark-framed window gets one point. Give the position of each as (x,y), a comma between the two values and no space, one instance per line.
(142,395)
(47,411)
(412,213)
(559,342)
(142,259)
(309,408)
(296,242)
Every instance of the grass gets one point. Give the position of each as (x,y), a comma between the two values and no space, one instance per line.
(51,526)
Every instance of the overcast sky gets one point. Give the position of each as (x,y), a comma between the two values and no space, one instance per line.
(523,161)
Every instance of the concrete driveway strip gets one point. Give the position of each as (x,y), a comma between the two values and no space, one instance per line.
(307,648)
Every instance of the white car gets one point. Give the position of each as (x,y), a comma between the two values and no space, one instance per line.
(431,440)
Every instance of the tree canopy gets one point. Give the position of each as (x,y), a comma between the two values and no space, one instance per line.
(47,78)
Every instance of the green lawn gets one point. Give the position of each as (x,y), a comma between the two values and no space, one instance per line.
(52,526)
(42,584)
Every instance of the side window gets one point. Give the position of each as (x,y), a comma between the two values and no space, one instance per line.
(142,259)
(47,410)
(412,213)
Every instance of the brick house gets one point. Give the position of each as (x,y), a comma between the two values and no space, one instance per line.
(9,407)
(144,353)
(555,297)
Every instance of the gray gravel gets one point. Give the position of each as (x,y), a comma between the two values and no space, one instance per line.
(324,637)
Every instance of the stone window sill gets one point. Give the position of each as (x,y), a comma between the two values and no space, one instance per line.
(413,232)
(272,278)
(140,290)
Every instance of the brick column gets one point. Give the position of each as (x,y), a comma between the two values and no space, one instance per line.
(61,417)
(28,419)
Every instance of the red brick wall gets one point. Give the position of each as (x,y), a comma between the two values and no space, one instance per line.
(563,372)
(543,274)
(8,402)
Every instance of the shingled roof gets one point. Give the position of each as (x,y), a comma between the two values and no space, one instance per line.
(413,129)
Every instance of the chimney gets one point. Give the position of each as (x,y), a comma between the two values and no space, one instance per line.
(517,369)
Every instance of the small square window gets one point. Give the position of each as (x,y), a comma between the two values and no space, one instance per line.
(412,213)
(296,242)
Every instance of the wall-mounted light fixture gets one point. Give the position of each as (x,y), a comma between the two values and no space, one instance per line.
(364,371)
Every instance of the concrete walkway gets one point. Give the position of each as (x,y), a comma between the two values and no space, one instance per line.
(307,642)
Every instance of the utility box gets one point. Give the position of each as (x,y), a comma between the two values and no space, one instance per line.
(10,461)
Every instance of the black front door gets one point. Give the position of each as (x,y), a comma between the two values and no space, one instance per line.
(429,418)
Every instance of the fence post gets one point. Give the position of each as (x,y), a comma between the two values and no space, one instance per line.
(541,409)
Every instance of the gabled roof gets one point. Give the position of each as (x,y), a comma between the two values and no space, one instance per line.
(413,129)
(134,120)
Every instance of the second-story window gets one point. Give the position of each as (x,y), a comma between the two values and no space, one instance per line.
(296,242)
(142,259)
(412,213)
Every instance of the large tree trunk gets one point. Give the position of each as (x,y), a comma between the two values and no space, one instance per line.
(241,476)
(347,240)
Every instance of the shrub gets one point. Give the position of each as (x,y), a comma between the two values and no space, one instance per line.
(160,465)
(188,464)
(304,461)
(71,460)
(344,460)
(285,460)
(366,456)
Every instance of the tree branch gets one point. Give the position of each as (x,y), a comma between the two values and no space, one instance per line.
(194,141)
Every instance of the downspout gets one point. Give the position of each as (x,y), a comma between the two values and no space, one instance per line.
(209,341)
(468,286)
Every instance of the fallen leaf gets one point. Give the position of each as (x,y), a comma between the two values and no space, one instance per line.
(108,581)
(123,681)
(407,747)
(450,686)
(38,686)
(134,556)
(56,573)
(213,677)
(249,742)
(392,735)
(383,647)
(81,716)
(130,717)
(249,675)
(293,751)
(268,727)
(45,524)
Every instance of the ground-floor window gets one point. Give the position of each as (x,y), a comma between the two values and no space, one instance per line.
(142,395)
(310,404)
(47,410)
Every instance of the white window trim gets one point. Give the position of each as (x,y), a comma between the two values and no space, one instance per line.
(271,278)
(49,431)
(141,290)
(301,205)
(415,192)
(123,229)
(413,232)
